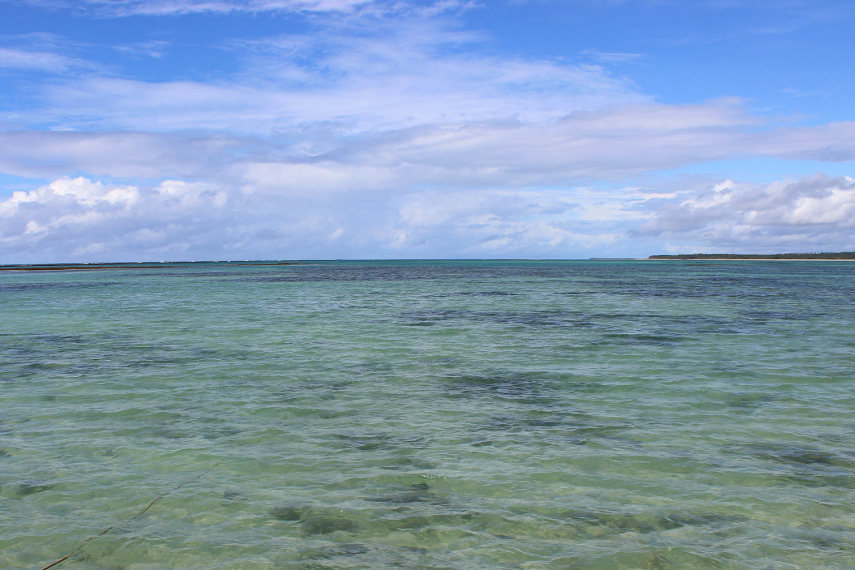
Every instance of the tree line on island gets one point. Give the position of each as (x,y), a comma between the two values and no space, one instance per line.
(822,255)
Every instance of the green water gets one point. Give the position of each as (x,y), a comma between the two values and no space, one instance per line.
(430,415)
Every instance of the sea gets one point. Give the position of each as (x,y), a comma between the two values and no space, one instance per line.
(429,414)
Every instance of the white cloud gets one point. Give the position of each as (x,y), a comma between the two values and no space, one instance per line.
(41,53)
(71,218)
(76,219)
(33,60)
(79,191)
(83,219)
(500,223)
(309,180)
(124,8)
(612,56)
(381,102)
(794,215)
(155,48)
(342,78)
(443,150)
(118,154)
(190,196)
(832,142)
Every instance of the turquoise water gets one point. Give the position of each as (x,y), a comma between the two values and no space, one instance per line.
(430,415)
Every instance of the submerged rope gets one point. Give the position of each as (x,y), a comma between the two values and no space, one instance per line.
(83,544)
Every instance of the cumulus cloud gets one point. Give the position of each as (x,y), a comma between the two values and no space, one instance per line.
(83,219)
(74,218)
(500,223)
(815,213)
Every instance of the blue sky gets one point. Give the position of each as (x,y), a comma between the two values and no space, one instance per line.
(288,129)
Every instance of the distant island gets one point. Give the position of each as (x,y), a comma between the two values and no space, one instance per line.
(824,255)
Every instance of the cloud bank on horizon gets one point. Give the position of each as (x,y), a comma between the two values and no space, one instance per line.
(296,129)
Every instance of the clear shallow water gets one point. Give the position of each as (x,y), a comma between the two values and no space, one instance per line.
(430,415)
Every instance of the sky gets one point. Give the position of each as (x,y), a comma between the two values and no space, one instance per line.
(165,130)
